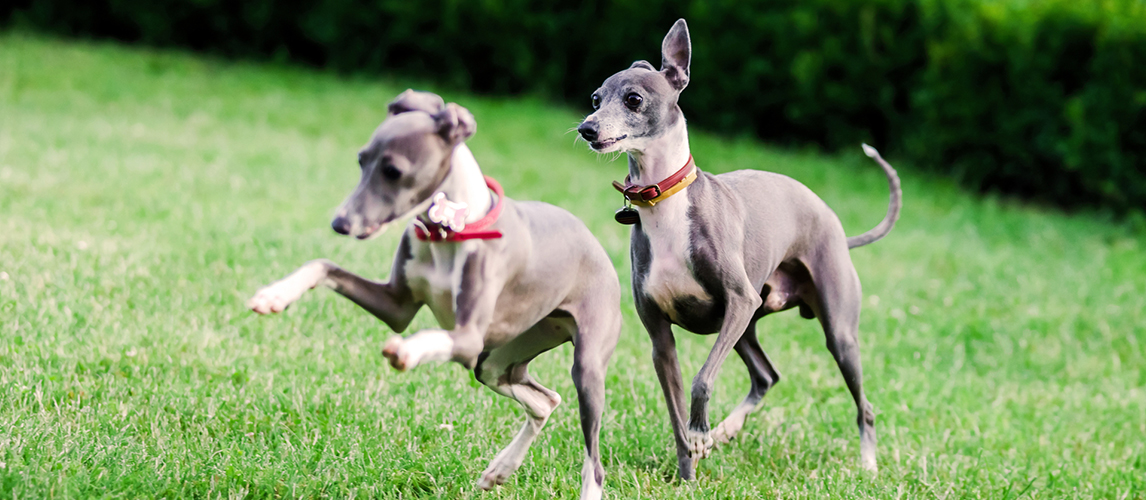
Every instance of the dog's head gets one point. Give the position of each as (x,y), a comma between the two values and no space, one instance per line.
(405,161)
(640,103)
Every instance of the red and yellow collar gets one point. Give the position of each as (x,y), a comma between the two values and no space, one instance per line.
(647,196)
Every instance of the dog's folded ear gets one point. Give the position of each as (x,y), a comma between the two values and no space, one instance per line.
(455,123)
(676,51)
(413,100)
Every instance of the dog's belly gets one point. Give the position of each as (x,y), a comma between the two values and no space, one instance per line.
(498,361)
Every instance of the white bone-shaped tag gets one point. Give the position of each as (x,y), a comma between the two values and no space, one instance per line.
(448,213)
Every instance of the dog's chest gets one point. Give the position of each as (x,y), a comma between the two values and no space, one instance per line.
(670,281)
(432,275)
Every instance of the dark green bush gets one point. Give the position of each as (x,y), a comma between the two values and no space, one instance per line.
(1046,99)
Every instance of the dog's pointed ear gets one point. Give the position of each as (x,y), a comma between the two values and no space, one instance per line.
(455,123)
(676,51)
(643,64)
(413,100)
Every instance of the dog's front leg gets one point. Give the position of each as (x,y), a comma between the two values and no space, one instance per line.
(277,296)
(739,311)
(475,296)
(672,384)
(391,302)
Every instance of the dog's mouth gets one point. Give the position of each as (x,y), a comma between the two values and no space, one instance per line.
(372,231)
(377,228)
(599,145)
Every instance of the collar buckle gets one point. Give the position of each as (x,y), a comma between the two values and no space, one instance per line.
(652,194)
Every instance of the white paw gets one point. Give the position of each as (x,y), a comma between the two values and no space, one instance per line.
(699,444)
(422,347)
(591,483)
(496,474)
(276,297)
(728,429)
(395,350)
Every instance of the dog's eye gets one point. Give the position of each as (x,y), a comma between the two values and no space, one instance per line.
(596,101)
(633,101)
(390,172)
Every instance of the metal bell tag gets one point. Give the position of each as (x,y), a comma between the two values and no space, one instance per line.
(627,215)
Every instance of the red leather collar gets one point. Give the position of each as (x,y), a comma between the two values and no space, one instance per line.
(477,230)
(651,194)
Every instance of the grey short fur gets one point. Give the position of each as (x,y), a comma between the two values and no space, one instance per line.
(726,251)
(500,302)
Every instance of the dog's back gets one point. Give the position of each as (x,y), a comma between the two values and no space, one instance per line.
(812,220)
(562,248)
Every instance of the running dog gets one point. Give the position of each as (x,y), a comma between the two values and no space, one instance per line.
(506,280)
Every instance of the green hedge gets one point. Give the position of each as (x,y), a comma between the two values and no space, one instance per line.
(1043,98)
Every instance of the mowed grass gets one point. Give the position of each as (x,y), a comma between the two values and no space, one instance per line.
(145,195)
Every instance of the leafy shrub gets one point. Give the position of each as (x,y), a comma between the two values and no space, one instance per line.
(1043,98)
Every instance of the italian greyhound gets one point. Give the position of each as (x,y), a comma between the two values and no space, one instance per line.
(714,253)
(506,280)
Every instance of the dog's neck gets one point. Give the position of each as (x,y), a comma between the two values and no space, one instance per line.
(466,184)
(660,157)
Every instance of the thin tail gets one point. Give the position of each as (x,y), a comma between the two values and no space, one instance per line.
(880,230)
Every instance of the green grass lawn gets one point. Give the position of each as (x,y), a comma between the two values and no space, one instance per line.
(145,195)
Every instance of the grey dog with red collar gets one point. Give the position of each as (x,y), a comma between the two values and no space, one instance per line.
(506,280)
(722,251)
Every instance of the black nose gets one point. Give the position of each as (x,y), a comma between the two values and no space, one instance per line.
(341,225)
(588,130)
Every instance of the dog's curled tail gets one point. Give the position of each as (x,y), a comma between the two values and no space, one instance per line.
(880,230)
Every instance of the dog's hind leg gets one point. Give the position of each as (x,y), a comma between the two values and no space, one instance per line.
(539,402)
(505,370)
(597,334)
(763,376)
(838,307)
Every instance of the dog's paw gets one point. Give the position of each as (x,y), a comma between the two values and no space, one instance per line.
(422,347)
(727,430)
(274,298)
(496,474)
(867,461)
(731,426)
(699,444)
(395,351)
